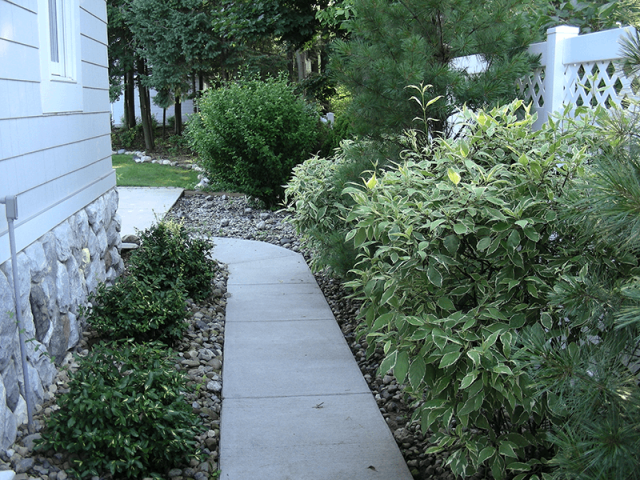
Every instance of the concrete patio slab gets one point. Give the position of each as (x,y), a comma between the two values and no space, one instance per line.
(141,207)
(276,302)
(288,358)
(324,437)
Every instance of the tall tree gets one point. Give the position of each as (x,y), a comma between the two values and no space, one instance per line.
(396,43)
(124,63)
(177,40)
(122,60)
(292,24)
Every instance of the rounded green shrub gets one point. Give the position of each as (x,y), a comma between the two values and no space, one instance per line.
(168,254)
(319,207)
(124,414)
(250,134)
(150,302)
(141,309)
(459,246)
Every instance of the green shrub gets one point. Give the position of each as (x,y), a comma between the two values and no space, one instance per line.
(168,254)
(582,362)
(127,136)
(458,248)
(150,302)
(124,414)
(140,308)
(250,134)
(316,200)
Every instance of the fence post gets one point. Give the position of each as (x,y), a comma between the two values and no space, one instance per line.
(554,79)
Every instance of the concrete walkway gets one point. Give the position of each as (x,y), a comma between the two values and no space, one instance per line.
(140,207)
(295,405)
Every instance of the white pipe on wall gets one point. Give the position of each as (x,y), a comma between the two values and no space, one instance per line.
(11,203)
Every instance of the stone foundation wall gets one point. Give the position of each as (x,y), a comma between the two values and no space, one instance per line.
(56,272)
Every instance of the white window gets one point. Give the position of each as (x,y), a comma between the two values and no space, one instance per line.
(56,38)
(60,82)
(61,39)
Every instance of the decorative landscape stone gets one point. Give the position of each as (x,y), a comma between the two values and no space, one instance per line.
(56,273)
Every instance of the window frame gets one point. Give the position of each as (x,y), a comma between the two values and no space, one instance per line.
(60,81)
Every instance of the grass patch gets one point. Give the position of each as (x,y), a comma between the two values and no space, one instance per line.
(132,174)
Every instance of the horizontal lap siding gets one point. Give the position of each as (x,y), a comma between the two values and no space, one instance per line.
(18,99)
(93,51)
(95,73)
(95,76)
(18,55)
(31,5)
(93,27)
(28,135)
(56,163)
(11,17)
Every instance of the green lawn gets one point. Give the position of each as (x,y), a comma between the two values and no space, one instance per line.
(132,174)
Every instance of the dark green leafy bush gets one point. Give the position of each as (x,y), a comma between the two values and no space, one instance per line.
(458,248)
(150,302)
(124,414)
(139,308)
(250,134)
(168,254)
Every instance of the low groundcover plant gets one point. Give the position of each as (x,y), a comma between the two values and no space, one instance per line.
(124,413)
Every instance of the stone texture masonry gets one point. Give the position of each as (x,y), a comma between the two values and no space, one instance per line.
(57,272)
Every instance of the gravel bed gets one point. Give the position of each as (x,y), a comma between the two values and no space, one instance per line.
(200,352)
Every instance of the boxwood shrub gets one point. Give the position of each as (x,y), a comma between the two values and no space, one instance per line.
(139,308)
(249,134)
(171,257)
(149,303)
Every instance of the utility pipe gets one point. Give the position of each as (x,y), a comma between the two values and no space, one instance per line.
(11,203)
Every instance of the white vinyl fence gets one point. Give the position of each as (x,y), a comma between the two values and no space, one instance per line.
(574,70)
(578,70)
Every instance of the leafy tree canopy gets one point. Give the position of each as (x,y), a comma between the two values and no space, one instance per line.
(590,16)
(175,37)
(292,21)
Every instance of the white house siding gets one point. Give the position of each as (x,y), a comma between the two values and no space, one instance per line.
(55,155)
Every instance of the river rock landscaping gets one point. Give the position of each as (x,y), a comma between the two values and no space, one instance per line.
(200,353)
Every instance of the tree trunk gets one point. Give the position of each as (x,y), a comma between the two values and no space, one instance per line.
(291,64)
(301,62)
(145,109)
(324,59)
(129,100)
(178,115)
(196,106)
(194,91)
(164,123)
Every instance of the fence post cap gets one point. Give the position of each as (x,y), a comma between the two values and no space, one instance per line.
(563,29)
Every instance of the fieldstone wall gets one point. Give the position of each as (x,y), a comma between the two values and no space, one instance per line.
(56,272)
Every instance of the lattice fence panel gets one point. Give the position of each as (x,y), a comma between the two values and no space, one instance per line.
(597,83)
(532,88)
